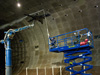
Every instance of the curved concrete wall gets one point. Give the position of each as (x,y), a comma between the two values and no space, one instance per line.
(66,16)
(30,48)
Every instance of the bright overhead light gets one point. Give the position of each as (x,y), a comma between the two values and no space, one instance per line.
(18,4)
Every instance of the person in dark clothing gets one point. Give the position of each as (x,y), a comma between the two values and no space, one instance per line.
(53,42)
(77,37)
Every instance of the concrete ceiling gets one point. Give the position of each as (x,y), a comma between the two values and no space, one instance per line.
(30,47)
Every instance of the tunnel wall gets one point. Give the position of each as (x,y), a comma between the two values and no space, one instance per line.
(30,47)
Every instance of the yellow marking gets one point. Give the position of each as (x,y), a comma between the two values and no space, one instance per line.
(70,63)
(89,43)
(71,46)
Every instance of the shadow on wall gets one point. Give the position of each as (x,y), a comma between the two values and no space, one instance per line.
(2,55)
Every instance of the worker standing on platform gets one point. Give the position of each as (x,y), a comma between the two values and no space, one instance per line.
(53,42)
(89,34)
(77,37)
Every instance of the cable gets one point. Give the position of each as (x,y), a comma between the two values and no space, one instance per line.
(5,37)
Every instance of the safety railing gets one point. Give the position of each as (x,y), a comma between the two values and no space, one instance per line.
(37,70)
(72,38)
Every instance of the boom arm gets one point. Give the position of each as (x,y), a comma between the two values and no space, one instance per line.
(7,42)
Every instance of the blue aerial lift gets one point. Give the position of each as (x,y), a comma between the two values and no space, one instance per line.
(75,45)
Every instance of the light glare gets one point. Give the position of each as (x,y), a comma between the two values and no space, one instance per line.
(18,4)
